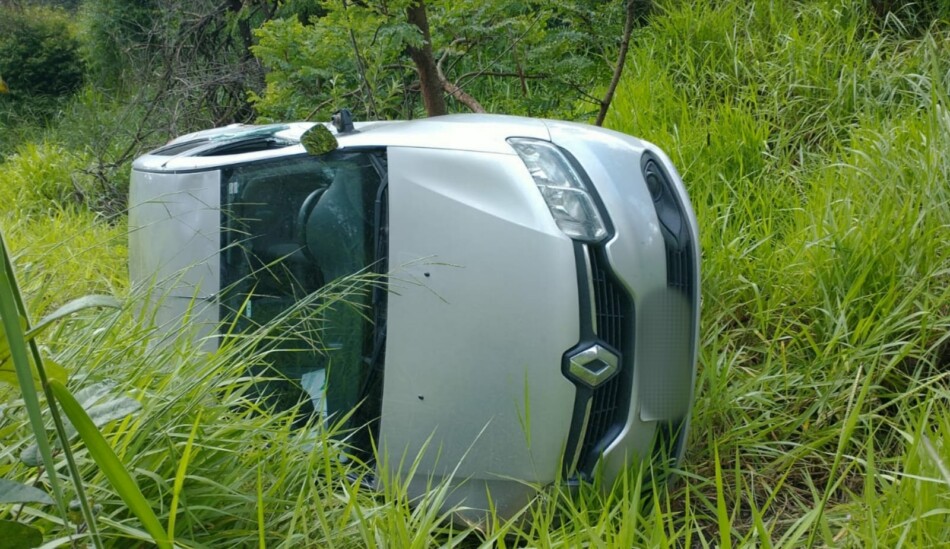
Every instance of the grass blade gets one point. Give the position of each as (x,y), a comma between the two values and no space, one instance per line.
(261,527)
(180,478)
(16,340)
(111,467)
(74,306)
(722,515)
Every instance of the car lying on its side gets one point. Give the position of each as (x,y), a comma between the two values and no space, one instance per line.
(545,325)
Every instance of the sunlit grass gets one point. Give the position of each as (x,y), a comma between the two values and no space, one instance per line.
(816,149)
(66,253)
(62,250)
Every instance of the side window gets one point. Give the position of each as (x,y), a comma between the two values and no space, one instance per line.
(292,227)
(264,247)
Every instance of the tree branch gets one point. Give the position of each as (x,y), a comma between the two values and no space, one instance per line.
(621,60)
(458,93)
(506,50)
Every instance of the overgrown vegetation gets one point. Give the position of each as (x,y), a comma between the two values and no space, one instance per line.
(815,144)
(529,58)
(814,138)
(39,54)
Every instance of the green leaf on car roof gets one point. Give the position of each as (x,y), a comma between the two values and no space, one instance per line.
(319,140)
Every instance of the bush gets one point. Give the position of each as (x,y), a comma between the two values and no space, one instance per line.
(81,161)
(115,34)
(39,54)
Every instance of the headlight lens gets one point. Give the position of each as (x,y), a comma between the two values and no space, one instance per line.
(569,200)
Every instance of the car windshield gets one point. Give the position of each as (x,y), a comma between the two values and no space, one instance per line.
(291,227)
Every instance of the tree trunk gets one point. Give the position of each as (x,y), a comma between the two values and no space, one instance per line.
(430,83)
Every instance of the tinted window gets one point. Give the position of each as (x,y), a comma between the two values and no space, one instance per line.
(291,227)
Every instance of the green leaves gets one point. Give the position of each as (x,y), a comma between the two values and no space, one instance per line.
(318,140)
(19,343)
(74,306)
(53,370)
(313,70)
(535,58)
(16,492)
(16,535)
(13,315)
(7,373)
(100,405)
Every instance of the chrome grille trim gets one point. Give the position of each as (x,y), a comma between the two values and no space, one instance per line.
(613,310)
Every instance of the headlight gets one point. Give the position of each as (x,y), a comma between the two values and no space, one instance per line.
(563,190)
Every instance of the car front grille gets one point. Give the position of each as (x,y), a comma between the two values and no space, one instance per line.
(608,320)
(613,312)
(608,302)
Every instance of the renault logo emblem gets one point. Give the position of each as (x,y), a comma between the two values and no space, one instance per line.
(593,365)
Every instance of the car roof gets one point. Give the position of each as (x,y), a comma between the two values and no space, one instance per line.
(240,143)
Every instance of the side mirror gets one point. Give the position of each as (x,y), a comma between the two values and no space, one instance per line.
(318,140)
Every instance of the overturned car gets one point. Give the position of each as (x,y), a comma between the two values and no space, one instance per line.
(542,322)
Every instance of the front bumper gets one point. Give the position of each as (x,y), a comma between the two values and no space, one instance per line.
(645,285)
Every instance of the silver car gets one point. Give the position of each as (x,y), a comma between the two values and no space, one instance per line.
(542,313)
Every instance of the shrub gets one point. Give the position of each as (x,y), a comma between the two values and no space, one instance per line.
(39,54)
(115,33)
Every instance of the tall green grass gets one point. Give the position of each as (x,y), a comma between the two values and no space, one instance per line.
(61,249)
(815,144)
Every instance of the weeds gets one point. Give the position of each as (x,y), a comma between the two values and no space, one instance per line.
(815,150)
